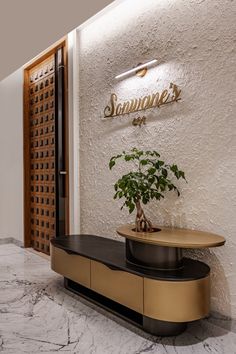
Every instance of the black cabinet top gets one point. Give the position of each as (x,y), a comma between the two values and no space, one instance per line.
(112,254)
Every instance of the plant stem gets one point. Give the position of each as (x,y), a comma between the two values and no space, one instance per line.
(142,224)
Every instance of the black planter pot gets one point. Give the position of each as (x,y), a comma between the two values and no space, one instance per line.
(153,256)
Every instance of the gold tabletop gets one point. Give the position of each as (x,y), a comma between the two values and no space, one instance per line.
(173,237)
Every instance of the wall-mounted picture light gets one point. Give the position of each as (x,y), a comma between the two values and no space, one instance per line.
(139,70)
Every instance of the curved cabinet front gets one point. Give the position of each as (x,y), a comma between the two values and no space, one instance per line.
(71,266)
(161,302)
(181,301)
(122,287)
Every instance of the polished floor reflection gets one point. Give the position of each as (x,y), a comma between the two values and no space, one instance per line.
(37,315)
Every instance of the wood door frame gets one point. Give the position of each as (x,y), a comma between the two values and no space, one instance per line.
(26,136)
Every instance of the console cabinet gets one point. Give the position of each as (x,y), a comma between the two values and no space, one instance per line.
(161,302)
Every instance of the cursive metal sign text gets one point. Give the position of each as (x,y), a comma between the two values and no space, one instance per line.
(158,99)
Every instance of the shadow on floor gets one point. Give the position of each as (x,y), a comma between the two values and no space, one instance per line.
(196,332)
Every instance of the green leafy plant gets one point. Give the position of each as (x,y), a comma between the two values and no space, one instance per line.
(150,178)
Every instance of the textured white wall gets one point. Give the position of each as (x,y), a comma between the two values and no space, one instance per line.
(194,42)
(11,156)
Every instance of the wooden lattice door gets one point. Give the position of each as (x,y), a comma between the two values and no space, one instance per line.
(42,204)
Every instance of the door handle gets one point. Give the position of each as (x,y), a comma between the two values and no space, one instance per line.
(70,252)
(111,267)
(63,173)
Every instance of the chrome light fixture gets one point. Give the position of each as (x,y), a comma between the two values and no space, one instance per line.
(140,70)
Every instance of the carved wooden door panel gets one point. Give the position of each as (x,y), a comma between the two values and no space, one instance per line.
(45,180)
(42,154)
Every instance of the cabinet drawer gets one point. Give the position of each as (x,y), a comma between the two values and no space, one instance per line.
(122,287)
(176,301)
(71,266)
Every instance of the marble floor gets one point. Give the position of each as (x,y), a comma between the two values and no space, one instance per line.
(37,315)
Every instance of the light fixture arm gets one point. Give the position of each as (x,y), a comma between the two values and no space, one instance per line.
(137,69)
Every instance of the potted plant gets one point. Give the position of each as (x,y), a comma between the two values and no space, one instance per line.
(149,178)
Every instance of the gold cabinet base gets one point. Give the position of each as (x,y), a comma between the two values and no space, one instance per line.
(71,266)
(177,301)
(122,287)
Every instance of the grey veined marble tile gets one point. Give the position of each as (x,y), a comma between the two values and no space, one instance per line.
(37,315)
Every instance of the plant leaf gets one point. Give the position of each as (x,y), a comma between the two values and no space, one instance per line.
(143,162)
(152,170)
(112,164)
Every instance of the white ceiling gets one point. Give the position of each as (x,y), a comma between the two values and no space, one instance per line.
(27,27)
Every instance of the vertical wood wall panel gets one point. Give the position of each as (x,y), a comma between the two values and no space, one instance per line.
(41,93)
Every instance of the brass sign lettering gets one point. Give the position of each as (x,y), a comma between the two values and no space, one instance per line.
(158,99)
(139,121)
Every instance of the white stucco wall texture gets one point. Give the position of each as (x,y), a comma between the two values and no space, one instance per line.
(194,43)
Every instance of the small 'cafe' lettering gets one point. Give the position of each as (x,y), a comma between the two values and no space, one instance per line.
(158,99)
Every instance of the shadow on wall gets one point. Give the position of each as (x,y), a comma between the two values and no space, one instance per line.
(152,117)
